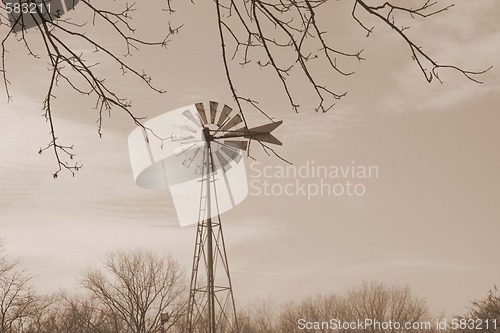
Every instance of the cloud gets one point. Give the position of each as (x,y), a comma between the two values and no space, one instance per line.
(466,37)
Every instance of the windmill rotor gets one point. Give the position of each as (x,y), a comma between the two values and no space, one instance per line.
(197,130)
(223,129)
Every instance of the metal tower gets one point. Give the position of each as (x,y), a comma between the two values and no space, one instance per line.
(211,305)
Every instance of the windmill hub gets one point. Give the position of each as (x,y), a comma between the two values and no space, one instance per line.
(203,137)
(207,137)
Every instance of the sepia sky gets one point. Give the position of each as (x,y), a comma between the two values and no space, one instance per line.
(429,218)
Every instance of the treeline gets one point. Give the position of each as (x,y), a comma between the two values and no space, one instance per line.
(139,292)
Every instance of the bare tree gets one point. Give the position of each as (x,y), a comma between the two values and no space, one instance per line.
(379,302)
(44,316)
(137,288)
(318,309)
(484,315)
(258,317)
(17,297)
(372,301)
(251,32)
(63,313)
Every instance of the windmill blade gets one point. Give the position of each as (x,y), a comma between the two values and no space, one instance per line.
(232,123)
(224,163)
(213,111)
(221,158)
(221,164)
(243,145)
(191,157)
(199,169)
(200,165)
(183,149)
(230,189)
(183,124)
(226,110)
(191,117)
(215,145)
(201,111)
(182,137)
(233,155)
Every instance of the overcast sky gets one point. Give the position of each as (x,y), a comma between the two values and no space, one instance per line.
(429,218)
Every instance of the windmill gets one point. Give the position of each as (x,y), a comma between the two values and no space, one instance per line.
(197,153)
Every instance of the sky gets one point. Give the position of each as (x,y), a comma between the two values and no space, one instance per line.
(428,217)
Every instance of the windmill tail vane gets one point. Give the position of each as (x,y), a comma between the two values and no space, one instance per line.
(260,133)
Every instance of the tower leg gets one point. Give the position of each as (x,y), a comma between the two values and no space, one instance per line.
(211,302)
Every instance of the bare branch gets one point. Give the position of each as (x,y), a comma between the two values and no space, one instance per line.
(54,32)
(426,10)
(283,37)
